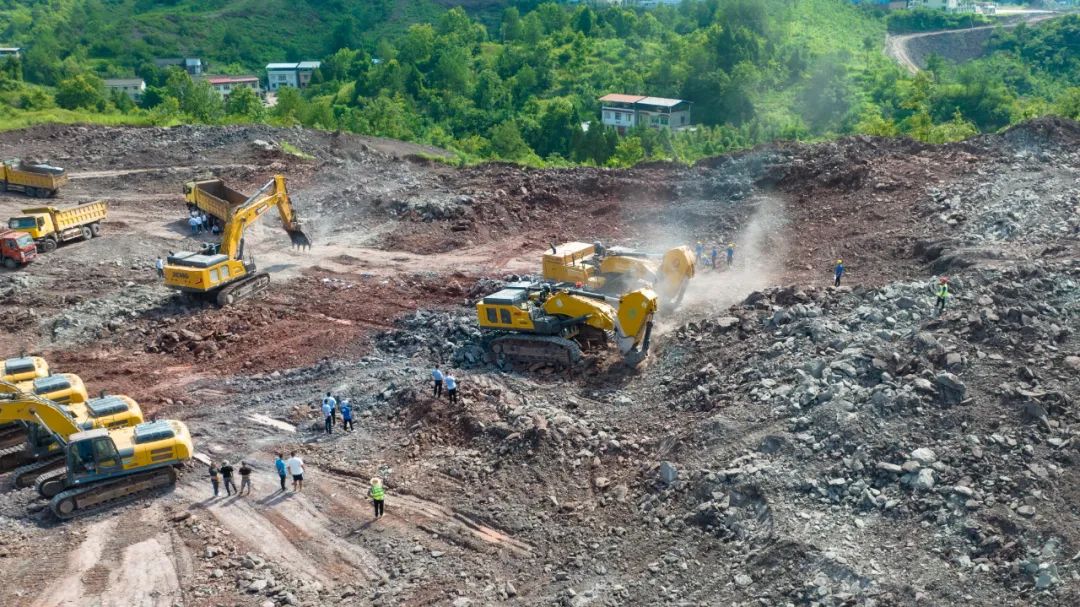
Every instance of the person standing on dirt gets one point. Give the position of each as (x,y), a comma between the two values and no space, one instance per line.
(699,251)
(327,411)
(282,470)
(942,294)
(245,478)
(376,493)
(346,416)
(330,400)
(214,477)
(437,377)
(838,272)
(204,221)
(227,478)
(296,469)
(730,254)
(193,223)
(712,257)
(451,387)
(159,265)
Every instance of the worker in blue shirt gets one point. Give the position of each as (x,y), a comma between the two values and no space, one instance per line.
(279,464)
(838,272)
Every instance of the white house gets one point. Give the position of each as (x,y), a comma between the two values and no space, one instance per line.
(224,85)
(296,75)
(132,87)
(10,51)
(624,112)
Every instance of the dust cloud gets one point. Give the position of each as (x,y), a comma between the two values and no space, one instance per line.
(758,263)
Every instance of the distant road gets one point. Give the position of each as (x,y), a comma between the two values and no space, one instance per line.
(898,46)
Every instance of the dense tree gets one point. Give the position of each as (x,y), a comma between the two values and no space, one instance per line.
(243,102)
(81,91)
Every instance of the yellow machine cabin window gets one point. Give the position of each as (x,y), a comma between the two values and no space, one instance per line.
(504,315)
(492,316)
(224,272)
(105,453)
(213,276)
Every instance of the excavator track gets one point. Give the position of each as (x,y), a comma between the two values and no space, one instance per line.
(11,435)
(51,483)
(547,349)
(27,476)
(13,457)
(85,501)
(245,288)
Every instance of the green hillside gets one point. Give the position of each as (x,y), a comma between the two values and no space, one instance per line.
(516,79)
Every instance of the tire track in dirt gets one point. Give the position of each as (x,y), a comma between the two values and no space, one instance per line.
(119,566)
(288,529)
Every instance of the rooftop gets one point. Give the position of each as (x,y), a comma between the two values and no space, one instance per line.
(228,79)
(124,82)
(658,101)
(620,98)
(281,66)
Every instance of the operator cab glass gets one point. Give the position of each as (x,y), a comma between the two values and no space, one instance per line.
(22,222)
(24,241)
(93,456)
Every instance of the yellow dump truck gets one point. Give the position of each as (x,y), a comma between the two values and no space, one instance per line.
(40,180)
(214,198)
(49,226)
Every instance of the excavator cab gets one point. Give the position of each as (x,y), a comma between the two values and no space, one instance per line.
(92,454)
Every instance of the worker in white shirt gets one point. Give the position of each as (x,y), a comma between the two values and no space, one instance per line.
(451,386)
(437,377)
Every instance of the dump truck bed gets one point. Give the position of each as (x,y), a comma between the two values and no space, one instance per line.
(75,216)
(214,198)
(35,175)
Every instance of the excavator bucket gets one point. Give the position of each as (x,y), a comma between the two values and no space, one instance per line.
(299,239)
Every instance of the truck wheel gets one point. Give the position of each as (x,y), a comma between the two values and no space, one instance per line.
(87,233)
(3,186)
(42,193)
(48,245)
(95,229)
(52,193)
(9,263)
(29,191)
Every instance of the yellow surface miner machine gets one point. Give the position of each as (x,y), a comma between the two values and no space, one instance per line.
(615,270)
(539,323)
(102,467)
(14,370)
(220,271)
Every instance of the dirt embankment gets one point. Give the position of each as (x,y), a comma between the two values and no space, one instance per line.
(785,442)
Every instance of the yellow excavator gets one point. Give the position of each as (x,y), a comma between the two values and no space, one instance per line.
(23,368)
(37,451)
(541,323)
(616,270)
(102,467)
(219,271)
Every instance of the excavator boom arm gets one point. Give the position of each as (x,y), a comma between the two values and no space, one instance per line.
(18,406)
(271,195)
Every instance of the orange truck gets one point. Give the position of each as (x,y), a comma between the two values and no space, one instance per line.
(39,180)
(16,248)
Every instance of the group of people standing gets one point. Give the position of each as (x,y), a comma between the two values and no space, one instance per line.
(223,474)
(330,408)
(440,379)
(200,222)
(729,255)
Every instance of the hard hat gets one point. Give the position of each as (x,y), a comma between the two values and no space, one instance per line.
(375,482)
(731,244)
(839,261)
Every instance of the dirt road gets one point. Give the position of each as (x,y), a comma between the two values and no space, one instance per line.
(899,46)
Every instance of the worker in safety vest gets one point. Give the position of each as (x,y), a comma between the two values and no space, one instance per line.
(377,494)
(942,294)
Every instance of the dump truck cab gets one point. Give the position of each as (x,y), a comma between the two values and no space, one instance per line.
(37,225)
(16,248)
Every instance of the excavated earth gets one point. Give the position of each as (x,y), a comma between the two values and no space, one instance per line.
(786,442)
